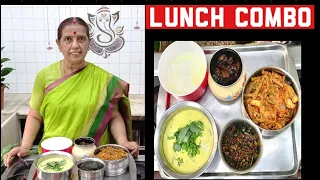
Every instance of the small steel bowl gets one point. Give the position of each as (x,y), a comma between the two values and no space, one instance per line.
(54,175)
(84,172)
(250,123)
(288,78)
(158,147)
(114,167)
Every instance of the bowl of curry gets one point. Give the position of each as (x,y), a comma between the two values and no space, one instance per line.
(115,157)
(240,145)
(186,140)
(271,99)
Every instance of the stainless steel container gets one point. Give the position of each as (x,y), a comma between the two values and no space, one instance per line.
(115,167)
(85,171)
(265,132)
(249,122)
(64,175)
(159,136)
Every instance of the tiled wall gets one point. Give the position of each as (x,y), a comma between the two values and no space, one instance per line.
(25,34)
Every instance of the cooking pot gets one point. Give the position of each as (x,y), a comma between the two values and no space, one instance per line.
(183,70)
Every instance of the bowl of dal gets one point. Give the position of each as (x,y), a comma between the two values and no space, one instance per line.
(54,164)
(186,140)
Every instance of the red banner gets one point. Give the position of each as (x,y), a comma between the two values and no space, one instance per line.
(230,17)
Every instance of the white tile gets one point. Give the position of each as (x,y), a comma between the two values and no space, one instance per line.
(8,46)
(143,36)
(18,46)
(51,23)
(134,89)
(53,35)
(62,11)
(73,12)
(125,58)
(21,78)
(51,57)
(27,12)
(124,68)
(136,46)
(102,60)
(11,78)
(39,24)
(29,46)
(38,12)
(127,24)
(31,78)
(135,58)
(22,88)
(17,35)
(135,68)
(19,57)
(5,12)
(40,66)
(104,66)
(125,12)
(140,23)
(12,88)
(142,89)
(52,45)
(59,56)
(50,13)
(10,64)
(40,46)
(17,24)
(126,36)
(114,8)
(41,58)
(31,68)
(9,55)
(141,13)
(125,77)
(134,79)
(114,58)
(136,36)
(30,57)
(143,68)
(7,35)
(30,88)
(126,47)
(143,47)
(28,36)
(93,58)
(82,12)
(21,68)
(142,79)
(6,24)
(16,13)
(114,68)
(39,36)
(27,24)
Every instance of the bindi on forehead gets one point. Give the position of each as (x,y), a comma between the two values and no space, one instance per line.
(74,22)
(74,32)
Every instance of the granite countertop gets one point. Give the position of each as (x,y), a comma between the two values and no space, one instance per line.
(19,104)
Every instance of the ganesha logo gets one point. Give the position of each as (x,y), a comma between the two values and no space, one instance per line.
(105,39)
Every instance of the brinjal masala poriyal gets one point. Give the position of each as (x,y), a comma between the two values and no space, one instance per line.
(240,146)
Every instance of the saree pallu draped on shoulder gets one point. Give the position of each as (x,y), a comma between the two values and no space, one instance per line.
(81,105)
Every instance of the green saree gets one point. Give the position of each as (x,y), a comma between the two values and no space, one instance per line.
(81,105)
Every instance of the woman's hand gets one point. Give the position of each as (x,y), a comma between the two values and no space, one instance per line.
(131,146)
(20,151)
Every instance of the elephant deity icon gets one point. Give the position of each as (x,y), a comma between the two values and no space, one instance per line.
(105,39)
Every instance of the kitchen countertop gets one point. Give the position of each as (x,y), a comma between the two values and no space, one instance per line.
(19,104)
(293,50)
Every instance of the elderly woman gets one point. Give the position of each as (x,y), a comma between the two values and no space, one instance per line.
(74,98)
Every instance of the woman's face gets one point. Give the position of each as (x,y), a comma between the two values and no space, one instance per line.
(74,43)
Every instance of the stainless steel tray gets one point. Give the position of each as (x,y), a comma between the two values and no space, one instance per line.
(282,154)
(131,173)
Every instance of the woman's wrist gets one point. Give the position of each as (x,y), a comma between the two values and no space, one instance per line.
(26,144)
(122,140)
